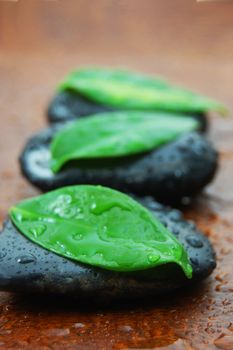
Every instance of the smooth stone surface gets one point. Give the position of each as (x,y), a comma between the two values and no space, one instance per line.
(179,169)
(69,105)
(26,267)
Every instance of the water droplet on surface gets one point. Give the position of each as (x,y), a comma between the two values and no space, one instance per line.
(125,328)
(153,258)
(174,215)
(93,206)
(26,259)
(189,268)
(18,217)
(194,261)
(58,332)
(61,246)
(78,236)
(178,173)
(98,255)
(78,325)
(68,213)
(2,255)
(194,241)
(38,230)
(65,198)
(79,216)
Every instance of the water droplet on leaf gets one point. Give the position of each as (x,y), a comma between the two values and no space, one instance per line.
(38,230)
(153,258)
(78,236)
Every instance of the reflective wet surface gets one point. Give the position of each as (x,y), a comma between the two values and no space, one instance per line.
(40,42)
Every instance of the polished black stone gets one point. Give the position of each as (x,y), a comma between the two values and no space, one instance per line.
(25,267)
(174,171)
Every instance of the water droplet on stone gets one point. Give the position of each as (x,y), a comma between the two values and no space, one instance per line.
(178,173)
(2,255)
(26,259)
(174,215)
(194,261)
(194,241)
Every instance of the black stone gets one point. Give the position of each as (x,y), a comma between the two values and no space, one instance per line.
(179,169)
(69,105)
(25,267)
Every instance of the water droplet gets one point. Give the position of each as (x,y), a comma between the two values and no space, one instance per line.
(98,255)
(78,325)
(26,259)
(68,213)
(174,215)
(2,255)
(194,261)
(189,268)
(93,206)
(78,236)
(61,246)
(19,217)
(79,216)
(153,258)
(38,230)
(58,332)
(125,328)
(49,220)
(175,231)
(178,173)
(65,198)
(194,241)
(190,224)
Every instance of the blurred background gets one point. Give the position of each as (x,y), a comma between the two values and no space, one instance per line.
(188,42)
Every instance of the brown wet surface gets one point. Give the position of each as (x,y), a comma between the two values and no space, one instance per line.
(192,44)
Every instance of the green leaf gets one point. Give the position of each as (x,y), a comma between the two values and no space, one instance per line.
(125,90)
(116,134)
(99,226)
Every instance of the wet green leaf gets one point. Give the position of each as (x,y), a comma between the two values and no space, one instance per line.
(99,226)
(116,134)
(126,90)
